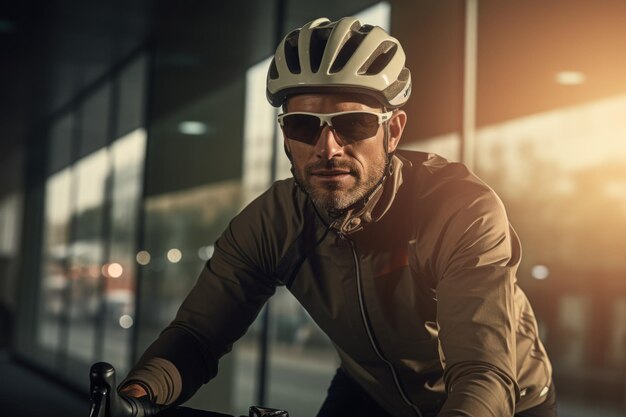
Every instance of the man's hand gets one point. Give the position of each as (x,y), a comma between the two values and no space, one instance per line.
(135,400)
(131,401)
(134,390)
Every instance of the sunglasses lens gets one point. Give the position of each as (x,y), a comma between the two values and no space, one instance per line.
(351,127)
(355,126)
(301,127)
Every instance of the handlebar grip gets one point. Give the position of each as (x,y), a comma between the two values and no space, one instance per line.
(107,402)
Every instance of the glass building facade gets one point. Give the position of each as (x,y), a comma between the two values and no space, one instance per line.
(132,179)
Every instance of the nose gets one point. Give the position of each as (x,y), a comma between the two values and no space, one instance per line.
(328,145)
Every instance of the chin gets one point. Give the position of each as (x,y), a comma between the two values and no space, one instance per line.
(330,201)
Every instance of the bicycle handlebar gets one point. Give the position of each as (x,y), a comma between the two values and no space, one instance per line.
(107,402)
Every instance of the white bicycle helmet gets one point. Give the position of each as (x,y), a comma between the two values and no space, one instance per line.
(339,56)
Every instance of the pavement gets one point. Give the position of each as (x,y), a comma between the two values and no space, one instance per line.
(26,392)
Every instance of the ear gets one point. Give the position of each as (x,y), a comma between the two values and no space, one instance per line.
(396,127)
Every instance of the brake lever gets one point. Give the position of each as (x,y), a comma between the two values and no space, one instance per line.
(98,402)
(101,376)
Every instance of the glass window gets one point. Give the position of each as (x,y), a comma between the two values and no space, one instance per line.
(550,141)
(198,144)
(432,35)
(9,225)
(561,176)
(56,235)
(86,280)
(573,313)
(258,134)
(95,121)
(180,230)
(86,256)
(132,95)
(120,271)
(618,344)
(302,359)
(61,144)
(54,277)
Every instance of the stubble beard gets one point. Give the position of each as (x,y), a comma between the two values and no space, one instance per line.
(334,197)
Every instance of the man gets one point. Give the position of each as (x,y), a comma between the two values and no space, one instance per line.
(405,260)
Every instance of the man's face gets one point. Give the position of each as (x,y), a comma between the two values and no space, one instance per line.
(334,173)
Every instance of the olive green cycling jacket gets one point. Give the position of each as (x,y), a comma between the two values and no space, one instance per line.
(416,289)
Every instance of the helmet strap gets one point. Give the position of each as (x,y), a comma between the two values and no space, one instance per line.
(388,167)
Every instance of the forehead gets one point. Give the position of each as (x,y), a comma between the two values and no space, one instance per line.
(326,102)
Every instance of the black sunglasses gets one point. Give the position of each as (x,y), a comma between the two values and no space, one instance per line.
(351,126)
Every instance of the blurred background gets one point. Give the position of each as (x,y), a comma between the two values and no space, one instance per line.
(133,131)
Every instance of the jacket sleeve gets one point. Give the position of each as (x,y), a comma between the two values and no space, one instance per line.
(476,265)
(228,295)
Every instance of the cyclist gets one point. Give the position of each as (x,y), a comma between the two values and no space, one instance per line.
(405,260)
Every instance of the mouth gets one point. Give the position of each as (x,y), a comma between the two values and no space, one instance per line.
(330,172)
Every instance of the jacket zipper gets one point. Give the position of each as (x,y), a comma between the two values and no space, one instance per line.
(370,334)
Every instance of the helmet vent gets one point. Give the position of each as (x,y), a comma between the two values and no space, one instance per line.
(379,59)
(273,72)
(365,29)
(319,39)
(346,52)
(291,52)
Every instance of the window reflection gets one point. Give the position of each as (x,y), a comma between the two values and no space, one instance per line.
(259,134)
(179,224)
(448,146)
(573,314)
(87,272)
(302,358)
(561,173)
(562,176)
(120,282)
(86,253)
(618,342)
(132,93)
(56,236)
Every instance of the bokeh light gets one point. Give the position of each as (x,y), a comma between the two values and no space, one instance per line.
(174,255)
(540,272)
(143,257)
(126,321)
(114,270)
